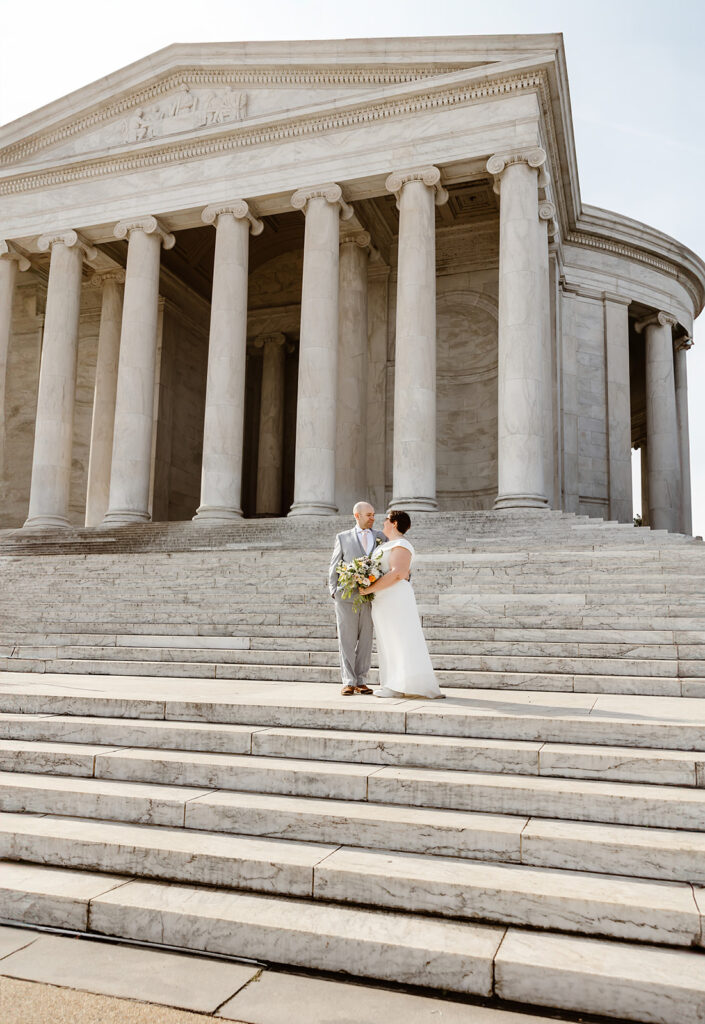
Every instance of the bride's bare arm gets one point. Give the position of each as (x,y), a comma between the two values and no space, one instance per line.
(399,565)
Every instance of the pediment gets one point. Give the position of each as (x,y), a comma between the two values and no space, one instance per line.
(205,103)
(203,89)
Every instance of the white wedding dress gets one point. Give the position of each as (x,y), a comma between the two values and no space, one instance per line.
(404,662)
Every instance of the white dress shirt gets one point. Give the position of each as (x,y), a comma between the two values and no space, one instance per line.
(365,538)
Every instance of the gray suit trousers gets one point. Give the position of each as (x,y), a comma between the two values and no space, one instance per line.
(354,640)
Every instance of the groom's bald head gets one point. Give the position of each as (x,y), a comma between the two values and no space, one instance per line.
(364,514)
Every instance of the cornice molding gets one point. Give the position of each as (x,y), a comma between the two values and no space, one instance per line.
(280,128)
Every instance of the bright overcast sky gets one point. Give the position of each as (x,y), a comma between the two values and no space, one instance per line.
(636,70)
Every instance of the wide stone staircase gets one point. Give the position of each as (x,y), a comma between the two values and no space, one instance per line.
(175,770)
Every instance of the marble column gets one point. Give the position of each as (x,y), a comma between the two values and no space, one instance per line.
(10,262)
(270,453)
(378,321)
(134,405)
(104,394)
(314,474)
(681,383)
(418,192)
(547,229)
(521,367)
(619,416)
(351,444)
(644,483)
(53,432)
(223,428)
(661,423)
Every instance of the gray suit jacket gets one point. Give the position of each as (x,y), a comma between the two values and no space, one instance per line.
(347,546)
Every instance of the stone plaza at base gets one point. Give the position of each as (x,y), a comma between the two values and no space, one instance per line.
(269,278)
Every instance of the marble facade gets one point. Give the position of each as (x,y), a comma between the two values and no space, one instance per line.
(267,279)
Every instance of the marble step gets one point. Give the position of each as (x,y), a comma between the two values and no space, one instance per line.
(615,979)
(575,799)
(308,654)
(621,764)
(623,721)
(644,643)
(440,642)
(574,901)
(553,681)
(439,954)
(657,853)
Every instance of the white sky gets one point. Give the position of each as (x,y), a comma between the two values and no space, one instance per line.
(636,70)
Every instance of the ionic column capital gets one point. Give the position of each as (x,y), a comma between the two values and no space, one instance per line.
(331,192)
(547,213)
(684,343)
(238,209)
(361,238)
(277,338)
(99,278)
(536,158)
(9,252)
(430,176)
(660,319)
(70,239)
(149,225)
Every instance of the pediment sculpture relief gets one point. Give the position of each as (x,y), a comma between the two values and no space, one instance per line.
(184,111)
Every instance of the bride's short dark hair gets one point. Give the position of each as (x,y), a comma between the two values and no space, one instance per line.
(401,520)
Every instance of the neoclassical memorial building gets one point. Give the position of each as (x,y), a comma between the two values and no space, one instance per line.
(267,279)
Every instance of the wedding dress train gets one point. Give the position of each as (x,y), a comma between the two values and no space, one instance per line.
(404,662)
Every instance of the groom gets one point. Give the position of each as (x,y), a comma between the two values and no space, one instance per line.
(354,628)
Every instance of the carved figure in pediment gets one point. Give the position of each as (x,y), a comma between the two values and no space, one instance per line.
(230,105)
(137,127)
(184,102)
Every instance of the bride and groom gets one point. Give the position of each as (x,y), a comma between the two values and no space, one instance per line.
(404,664)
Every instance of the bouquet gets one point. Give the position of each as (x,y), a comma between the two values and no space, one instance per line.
(361,572)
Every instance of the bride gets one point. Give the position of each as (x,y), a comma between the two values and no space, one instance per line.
(405,668)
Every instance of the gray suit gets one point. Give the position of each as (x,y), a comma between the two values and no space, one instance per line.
(354,628)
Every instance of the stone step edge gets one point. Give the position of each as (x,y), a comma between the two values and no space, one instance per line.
(673,855)
(680,686)
(676,805)
(688,758)
(251,713)
(574,902)
(612,979)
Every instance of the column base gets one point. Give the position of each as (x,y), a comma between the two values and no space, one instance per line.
(125,517)
(312,508)
(413,505)
(47,522)
(521,501)
(213,515)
